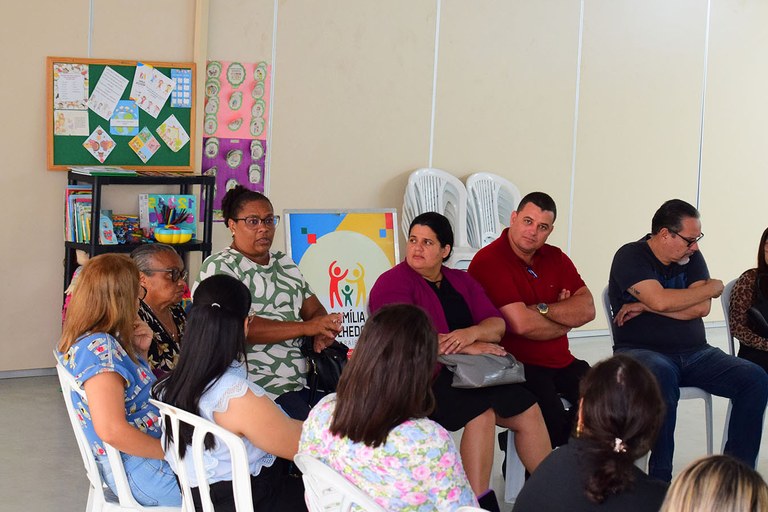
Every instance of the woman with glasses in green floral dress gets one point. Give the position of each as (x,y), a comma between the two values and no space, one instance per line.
(284,308)
(161,272)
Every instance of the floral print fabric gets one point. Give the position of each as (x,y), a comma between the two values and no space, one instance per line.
(98,353)
(278,291)
(164,351)
(417,469)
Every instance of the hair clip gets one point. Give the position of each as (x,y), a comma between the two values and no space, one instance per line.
(619,446)
(215,305)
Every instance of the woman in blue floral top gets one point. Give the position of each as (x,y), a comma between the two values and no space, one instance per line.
(104,346)
(375,429)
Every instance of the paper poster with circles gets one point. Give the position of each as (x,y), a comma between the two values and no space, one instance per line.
(341,253)
(233,162)
(236,100)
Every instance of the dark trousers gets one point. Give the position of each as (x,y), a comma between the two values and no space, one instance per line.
(757,356)
(297,404)
(272,489)
(549,384)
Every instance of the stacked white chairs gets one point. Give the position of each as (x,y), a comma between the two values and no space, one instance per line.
(241,478)
(434,190)
(686,392)
(491,201)
(100,497)
(328,491)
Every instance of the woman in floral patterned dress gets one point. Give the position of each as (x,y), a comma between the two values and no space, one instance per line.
(284,308)
(375,431)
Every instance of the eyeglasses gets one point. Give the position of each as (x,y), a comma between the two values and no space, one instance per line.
(689,241)
(142,292)
(255,222)
(174,273)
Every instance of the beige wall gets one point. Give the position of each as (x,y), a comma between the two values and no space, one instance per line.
(353,96)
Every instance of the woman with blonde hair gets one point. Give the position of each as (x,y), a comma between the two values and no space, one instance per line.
(718,483)
(104,346)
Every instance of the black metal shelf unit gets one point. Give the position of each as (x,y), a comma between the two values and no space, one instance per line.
(185,183)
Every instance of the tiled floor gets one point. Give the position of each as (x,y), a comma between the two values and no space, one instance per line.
(41,470)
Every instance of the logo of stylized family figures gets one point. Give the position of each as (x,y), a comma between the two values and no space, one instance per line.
(337,276)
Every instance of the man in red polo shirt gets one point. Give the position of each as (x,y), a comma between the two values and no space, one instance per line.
(542,297)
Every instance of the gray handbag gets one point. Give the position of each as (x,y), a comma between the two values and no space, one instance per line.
(483,370)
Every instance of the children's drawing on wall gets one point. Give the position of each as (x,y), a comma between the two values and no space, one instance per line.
(341,254)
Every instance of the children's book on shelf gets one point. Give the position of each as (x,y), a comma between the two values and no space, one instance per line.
(106,229)
(77,198)
(164,209)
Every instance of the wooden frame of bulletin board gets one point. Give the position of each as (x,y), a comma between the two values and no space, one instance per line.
(67,133)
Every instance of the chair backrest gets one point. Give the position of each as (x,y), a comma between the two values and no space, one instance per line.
(97,499)
(328,491)
(434,190)
(725,300)
(491,201)
(241,478)
(608,311)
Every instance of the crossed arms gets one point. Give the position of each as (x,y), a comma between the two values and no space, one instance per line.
(571,310)
(683,304)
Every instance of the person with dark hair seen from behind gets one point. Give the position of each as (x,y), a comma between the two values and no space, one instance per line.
(542,296)
(660,290)
(210,380)
(104,346)
(161,272)
(752,346)
(620,412)
(717,483)
(284,308)
(374,431)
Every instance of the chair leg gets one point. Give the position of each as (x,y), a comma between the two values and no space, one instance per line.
(725,427)
(515,471)
(708,418)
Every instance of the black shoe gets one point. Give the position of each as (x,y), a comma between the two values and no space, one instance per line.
(488,501)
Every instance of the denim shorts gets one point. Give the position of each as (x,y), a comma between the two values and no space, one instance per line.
(152,481)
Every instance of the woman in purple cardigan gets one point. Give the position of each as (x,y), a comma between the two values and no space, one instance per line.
(467,323)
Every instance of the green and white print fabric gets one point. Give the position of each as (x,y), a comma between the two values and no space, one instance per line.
(277,292)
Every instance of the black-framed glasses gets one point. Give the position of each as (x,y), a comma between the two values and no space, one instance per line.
(689,241)
(174,273)
(254,222)
(142,292)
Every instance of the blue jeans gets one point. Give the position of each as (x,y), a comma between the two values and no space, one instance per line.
(716,372)
(152,481)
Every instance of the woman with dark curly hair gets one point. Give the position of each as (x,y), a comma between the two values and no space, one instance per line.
(620,413)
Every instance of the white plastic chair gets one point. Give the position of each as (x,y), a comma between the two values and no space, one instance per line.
(434,190)
(99,495)
(725,301)
(686,392)
(467,508)
(491,201)
(328,491)
(241,478)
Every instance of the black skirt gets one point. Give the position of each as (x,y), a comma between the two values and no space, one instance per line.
(455,407)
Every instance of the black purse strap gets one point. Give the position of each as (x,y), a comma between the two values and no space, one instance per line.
(758,284)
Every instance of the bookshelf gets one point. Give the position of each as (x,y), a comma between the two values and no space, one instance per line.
(185,182)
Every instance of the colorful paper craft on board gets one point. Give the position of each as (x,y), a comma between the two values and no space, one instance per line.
(173,134)
(155,93)
(233,162)
(99,144)
(237,99)
(181,96)
(107,93)
(125,118)
(70,122)
(70,86)
(144,144)
(140,78)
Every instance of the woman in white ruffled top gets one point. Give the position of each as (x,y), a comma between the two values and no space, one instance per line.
(210,380)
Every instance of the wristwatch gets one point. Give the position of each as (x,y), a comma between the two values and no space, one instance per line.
(543,308)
